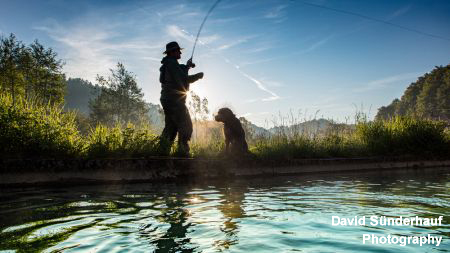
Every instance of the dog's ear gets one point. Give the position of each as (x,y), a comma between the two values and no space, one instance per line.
(226,112)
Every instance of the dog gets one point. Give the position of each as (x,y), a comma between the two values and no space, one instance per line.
(234,133)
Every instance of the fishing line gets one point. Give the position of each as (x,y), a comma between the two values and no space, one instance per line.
(201,26)
(372,19)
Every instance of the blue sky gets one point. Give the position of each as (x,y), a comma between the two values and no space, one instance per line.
(262,58)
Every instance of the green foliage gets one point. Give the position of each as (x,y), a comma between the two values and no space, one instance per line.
(120,99)
(398,136)
(30,71)
(207,149)
(428,97)
(31,128)
(118,141)
(402,135)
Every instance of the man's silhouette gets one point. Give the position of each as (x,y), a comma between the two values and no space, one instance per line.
(175,82)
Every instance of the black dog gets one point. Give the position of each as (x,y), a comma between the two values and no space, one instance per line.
(234,133)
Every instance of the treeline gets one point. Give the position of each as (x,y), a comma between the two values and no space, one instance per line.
(428,97)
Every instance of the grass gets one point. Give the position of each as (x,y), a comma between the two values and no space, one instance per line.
(32,129)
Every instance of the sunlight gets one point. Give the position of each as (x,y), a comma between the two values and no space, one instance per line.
(195,200)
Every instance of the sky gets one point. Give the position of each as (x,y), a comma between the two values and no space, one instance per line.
(267,60)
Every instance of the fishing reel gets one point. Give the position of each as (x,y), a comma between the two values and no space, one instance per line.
(190,64)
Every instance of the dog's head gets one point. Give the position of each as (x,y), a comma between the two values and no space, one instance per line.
(224,114)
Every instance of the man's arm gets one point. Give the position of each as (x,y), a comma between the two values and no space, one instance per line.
(193,78)
(190,78)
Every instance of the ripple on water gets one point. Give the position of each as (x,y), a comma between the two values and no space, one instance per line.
(261,215)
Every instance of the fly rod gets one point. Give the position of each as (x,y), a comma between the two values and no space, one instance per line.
(201,26)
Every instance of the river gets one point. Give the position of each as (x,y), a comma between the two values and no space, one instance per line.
(270,214)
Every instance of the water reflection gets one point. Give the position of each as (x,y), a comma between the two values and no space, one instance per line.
(232,210)
(175,238)
(265,214)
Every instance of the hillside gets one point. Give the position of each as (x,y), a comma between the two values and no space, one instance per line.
(311,126)
(78,94)
(428,97)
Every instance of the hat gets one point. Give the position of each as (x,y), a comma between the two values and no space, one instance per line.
(172,46)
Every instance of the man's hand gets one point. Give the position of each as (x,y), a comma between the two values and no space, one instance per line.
(200,75)
(190,64)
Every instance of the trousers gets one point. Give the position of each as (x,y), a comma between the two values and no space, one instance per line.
(177,121)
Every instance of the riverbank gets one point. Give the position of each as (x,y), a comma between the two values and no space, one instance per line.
(22,172)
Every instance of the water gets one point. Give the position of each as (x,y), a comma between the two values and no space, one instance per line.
(279,214)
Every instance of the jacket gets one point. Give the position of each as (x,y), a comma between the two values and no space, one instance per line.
(175,80)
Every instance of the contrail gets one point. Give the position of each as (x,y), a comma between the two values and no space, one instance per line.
(273,95)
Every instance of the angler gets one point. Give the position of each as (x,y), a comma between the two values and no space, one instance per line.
(175,82)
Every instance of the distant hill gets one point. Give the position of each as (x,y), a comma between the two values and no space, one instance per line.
(311,126)
(78,94)
(428,97)
(80,91)
(252,130)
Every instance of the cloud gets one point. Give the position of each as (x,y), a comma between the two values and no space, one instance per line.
(247,63)
(85,53)
(248,114)
(276,12)
(383,83)
(232,44)
(236,42)
(273,96)
(150,58)
(90,50)
(399,12)
(177,33)
(316,45)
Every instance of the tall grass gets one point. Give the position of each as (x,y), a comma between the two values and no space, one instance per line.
(402,135)
(398,136)
(129,141)
(32,129)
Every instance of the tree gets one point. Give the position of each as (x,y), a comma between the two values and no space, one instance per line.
(120,99)
(427,97)
(10,50)
(198,108)
(32,71)
(49,82)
